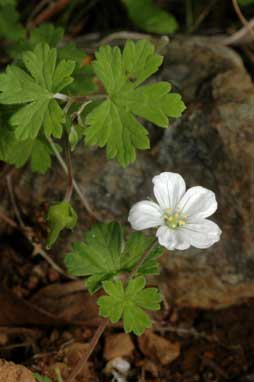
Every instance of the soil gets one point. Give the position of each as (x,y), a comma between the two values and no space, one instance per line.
(185,344)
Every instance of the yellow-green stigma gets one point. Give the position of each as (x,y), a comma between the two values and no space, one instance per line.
(174,219)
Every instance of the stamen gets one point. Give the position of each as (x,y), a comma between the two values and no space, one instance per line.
(174,219)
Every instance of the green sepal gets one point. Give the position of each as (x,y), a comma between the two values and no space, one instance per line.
(60,216)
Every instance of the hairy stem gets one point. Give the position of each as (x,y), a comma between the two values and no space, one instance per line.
(242,17)
(75,184)
(81,364)
(142,259)
(100,330)
(69,189)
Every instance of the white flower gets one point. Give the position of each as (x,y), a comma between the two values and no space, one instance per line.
(179,214)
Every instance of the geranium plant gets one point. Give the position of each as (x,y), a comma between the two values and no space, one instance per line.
(52,101)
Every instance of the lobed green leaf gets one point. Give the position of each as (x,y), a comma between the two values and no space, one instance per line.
(36,89)
(128,303)
(113,122)
(104,254)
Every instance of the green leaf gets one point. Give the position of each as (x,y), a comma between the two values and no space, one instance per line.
(36,90)
(111,125)
(46,33)
(129,303)
(54,37)
(7,2)
(98,255)
(149,17)
(12,151)
(245,2)
(113,122)
(60,216)
(140,61)
(40,157)
(40,378)
(104,254)
(71,52)
(10,28)
(135,247)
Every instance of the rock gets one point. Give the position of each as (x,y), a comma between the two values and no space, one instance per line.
(158,348)
(211,145)
(118,345)
(9,372)
(119,368)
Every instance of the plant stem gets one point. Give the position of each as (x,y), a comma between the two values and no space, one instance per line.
(142,259)
(81,364)
(75,184)
(69,170)
(100,330)
(79,99)
(242,17)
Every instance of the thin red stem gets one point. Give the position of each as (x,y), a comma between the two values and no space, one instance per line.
(69,190)
(81,364)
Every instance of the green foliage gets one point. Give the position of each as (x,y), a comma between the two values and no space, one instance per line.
(104,254)
(36,90)
(149,17)
(113,122)
(10,27)
(82,75)
(46,33)
(40,378)
(245,2)
(7,2)
(37,151)
(60,216)
(129,303)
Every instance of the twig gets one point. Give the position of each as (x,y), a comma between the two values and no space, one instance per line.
(54,265)
(50,11)
(123,35)
(75,184)
(13,201)
(182,332)
(240,37)
(36,10)
(202,16)
(8,220)
(105,322)
(27,231)
(241,17)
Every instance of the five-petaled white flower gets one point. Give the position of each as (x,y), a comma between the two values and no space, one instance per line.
(179,214)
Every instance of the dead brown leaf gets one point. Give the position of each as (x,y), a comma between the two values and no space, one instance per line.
(55,304)
(118,345)
(158,348)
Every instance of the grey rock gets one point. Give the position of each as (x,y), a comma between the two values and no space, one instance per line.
(211,145)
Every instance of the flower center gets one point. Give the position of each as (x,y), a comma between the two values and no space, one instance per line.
(174,219)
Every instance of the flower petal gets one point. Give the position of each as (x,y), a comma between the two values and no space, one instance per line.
(172,239)
(198,203)
(145,214)
(169,188)
(202,233)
